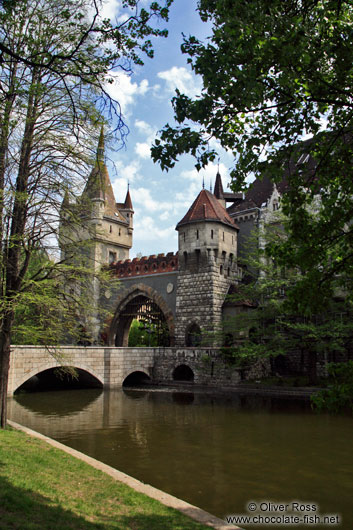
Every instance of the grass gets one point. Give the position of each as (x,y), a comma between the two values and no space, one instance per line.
(44,488)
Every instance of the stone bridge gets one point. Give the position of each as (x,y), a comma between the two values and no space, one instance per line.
(110,366)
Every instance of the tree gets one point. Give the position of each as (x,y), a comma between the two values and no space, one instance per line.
(273,326)
(56,60)
(275,73)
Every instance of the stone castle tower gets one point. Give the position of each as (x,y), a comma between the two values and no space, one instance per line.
(104,229)
(207,267)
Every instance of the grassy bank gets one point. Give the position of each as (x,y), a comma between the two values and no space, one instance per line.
(44,488)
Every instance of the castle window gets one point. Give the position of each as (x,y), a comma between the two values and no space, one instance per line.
(197,234)
(185,259)
(193,335)
(223,236)
(228,271)
(221,269)
(211,234)
(110,229)
(232,240)
(275,206)
(197,251)
(184,236)
(112,257)
(119,231)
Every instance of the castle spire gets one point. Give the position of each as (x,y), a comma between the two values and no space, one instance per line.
(101,148)
(128,201)
(218,187)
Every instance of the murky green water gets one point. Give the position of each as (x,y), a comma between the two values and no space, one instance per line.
(216,453)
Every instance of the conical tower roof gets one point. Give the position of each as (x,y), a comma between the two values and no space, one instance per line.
(218,187)
(128,201)
(206,207)
(98,185)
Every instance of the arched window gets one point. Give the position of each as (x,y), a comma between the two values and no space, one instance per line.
(193,335)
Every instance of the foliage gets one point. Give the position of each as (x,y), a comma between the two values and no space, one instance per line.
(271,325)
(339,394)
(56,308)
(275,73)
(144,333)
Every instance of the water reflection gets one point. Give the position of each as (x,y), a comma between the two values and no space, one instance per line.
(215,452)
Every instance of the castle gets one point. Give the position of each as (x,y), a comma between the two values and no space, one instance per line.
(184,294)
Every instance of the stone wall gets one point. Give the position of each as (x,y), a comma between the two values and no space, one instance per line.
(112,365)
(209,367)
(203,283)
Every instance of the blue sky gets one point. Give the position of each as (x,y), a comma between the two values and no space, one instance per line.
(160,199)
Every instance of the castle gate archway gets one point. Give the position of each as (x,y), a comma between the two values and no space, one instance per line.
(142,303)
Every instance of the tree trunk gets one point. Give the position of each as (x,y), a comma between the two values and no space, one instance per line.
(5,340)
(14,272)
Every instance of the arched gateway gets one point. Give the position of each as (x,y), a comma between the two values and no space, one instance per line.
(143,303)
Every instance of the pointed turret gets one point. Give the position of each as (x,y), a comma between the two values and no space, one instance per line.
(218,187)
(218,190)
(127,208)
(128,201)
(98,186)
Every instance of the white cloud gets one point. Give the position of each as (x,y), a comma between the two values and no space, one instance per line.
(109,9)
(208,174)
(144,127)
(123,90)
(129,174)
(143,197)
(164,216)
(143,150)
(146,229)
(181,78)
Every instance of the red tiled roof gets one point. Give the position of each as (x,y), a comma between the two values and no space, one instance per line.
(206,208)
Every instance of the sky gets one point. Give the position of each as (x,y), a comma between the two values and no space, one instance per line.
(160,199)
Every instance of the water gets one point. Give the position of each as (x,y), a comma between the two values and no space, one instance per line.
(217,453)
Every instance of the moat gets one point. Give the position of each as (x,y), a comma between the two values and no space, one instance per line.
(216,452)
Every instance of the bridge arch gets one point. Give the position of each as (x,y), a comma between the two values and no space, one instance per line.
(136,376)
(118,330)
(52,365)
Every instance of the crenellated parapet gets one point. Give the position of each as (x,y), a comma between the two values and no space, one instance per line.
(146,265)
